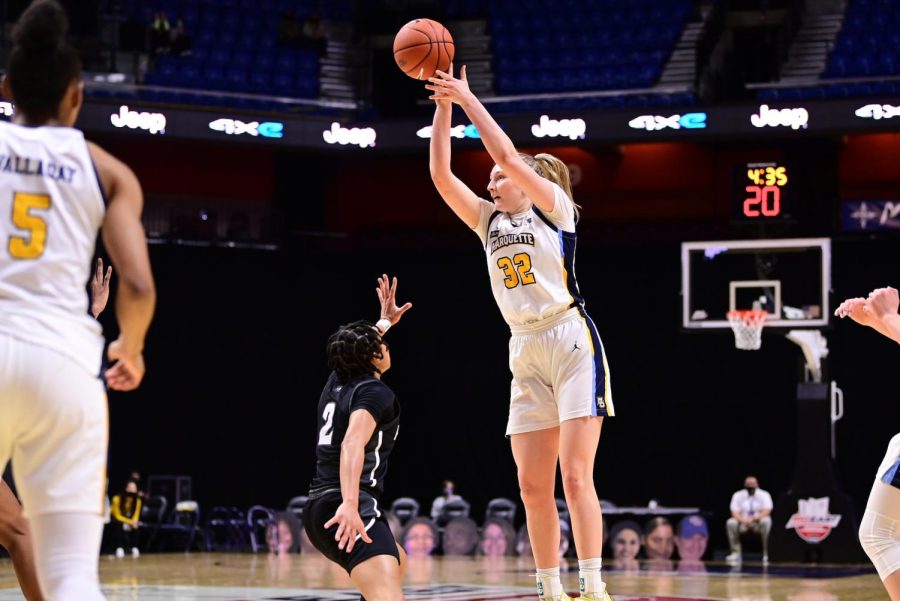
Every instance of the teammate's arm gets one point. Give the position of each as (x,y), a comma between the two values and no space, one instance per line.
(16,539)
(884,303)
(878,311)
(499,146)
(458,196)
(123,236)
(353,450)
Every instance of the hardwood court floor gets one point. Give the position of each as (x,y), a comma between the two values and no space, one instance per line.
(248,577)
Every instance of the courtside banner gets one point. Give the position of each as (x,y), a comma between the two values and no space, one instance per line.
(535,129)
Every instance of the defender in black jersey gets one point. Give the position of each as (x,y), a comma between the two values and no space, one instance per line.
(358,422)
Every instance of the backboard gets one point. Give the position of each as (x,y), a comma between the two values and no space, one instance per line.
(789,278)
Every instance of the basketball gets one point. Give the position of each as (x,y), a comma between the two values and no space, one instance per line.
(422,47)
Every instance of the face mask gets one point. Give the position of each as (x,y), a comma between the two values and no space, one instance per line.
(448,491)
(750,489)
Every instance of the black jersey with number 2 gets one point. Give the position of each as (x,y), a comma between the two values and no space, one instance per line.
(336,404)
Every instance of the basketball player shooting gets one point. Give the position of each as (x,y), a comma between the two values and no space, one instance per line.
(560,389)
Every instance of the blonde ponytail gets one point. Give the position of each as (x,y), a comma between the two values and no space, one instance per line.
(552,168)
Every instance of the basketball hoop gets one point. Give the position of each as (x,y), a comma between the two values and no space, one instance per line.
(747,326)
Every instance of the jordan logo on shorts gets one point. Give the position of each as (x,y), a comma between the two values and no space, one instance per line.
(575,347)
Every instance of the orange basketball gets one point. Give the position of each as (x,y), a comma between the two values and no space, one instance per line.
(423,46)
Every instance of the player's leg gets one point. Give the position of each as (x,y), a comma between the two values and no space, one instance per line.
(578,442)
(533,429)
(15,537)
(60,469)
(379,578)
(879,534)
(535,454)
(583,396)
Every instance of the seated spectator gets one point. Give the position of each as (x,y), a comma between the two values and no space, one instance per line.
(565,540)
(126,513)
(394,524)
(181,40)
(160,33)
(693,536)
(498,538)
(460,537)
(447,494)
(523,543)
(289,30)
(314,33)
(283,536)
(419,537)
(658,539)
(625,540)
(751,510)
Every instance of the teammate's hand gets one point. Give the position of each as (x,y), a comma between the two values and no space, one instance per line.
(387,296)
(127,370)
(446,87)
(883,302)
(100,288)
(858,310)
(350,525)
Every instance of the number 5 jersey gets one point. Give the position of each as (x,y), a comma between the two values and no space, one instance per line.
(51,208)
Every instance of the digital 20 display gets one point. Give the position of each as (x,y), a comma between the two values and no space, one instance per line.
(762,192)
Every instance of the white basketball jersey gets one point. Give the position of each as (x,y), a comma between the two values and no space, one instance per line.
(51,208)
(531,260)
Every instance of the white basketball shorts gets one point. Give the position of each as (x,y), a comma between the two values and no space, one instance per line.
(54,427)
(559,373)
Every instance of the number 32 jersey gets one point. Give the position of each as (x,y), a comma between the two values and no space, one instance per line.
(51,208)
(531,260)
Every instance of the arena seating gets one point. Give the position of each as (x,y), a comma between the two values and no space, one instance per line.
(580,45)
(868,46)
(234,48)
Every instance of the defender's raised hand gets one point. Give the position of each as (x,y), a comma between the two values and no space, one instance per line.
(387,296)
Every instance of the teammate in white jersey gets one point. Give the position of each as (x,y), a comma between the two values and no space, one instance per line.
(879,531)
(560,388)
(57,191)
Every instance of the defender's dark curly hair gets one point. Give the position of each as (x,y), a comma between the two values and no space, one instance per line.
(41,64)
(350,350)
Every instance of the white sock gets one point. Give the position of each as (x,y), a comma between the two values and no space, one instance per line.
(548,583)
(66,550)
(589,579)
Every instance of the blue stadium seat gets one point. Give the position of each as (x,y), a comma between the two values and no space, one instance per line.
(213,76)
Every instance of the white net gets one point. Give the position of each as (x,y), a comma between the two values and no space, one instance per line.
(747,327)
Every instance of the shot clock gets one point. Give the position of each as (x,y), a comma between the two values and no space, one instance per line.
(762,193)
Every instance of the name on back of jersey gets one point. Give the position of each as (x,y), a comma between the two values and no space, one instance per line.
(510,239)
(37,168)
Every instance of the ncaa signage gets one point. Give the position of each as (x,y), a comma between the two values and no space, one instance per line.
(233,127)
(658,122)
(155,123)
(812,521)
(797,118)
